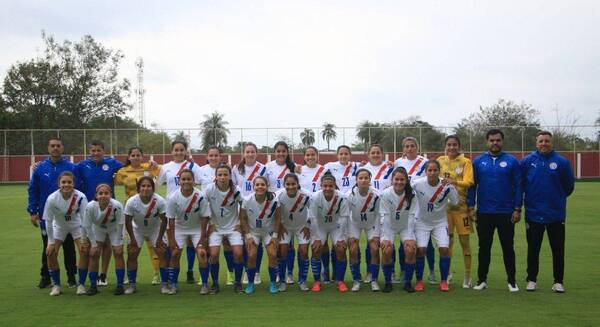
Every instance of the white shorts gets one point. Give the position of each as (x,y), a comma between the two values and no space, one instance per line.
(216,238)
(388,233)
(439,233)
(336,232)
(264,238)
(115,235)
(182,238)
(371,231)
(60,232)
(287,237)
(150,236)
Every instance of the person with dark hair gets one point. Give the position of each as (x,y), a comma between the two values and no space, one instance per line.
(547,182)
(41,185)
(497,193)
(207,172)
(343,170)
(280,166)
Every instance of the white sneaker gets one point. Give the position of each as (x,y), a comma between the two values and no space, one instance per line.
(81,290)
(165,290)
(130,290)
(55,291)
(432,280)
(531,286)
(355,286)
(244,278)
(368,278)
(467,282)
(481,286)
(257,279)
(102,282)
(558,288)
(173,290)
(303,287)
(289,279)
(282,287)
(375,286)
(513,287)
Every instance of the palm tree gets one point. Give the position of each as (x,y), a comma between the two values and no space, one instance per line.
(370,133)
(181,136)
(307,136)
(328,133)
(213,131)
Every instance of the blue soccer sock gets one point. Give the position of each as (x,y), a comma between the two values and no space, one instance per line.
(408,273)
(420,267)
(229,260)
(55,275)
(401,257)
(303,266)
(191,257)
(430,257)
(245,257)
(325,261)
(164,275)
(251,274)
(131,275)
(82,273)
(355,270)
(367,257)
(387,272)
(291,255)
(374,269)
(259,256)
(94,279)
(444,268)
(174,276)
(282,269)
(204,275)
(333,258)
(273,274)
(340,270)
(214,272)
(316,269)
(237,269)
(120,272)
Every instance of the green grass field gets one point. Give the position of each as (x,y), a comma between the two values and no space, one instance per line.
(24,304)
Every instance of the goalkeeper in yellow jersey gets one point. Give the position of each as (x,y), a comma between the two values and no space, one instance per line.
(458,170)
(128,175)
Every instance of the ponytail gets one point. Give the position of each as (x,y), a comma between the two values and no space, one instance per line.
(242,165)
(288,159)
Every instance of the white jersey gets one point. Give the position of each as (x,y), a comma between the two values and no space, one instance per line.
(310,178)
(345,176)
(63,213)
(224,207)
(364,210)
(245,181)
(433,201)
(146,216)
(396,211)
(275,174)
(327,214)
(188,211)
(415,168)
(381,175)
(207,176)
(294,211)
(108,219)
(261,216)
(169,173)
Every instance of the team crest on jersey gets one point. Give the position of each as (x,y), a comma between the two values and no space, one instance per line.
(503,164)
(553,165)
(105,167)
(458,170)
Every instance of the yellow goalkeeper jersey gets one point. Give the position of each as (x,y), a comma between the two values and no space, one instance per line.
(128,176)
(459,169)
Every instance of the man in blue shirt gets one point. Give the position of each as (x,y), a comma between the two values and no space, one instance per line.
(95,170)
(497,192)
(547,182)
(43,182)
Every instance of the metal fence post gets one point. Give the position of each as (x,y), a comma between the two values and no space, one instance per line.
(394,140)
(137,137)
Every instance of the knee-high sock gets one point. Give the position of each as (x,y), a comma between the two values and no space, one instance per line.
(164,275)
(374,270)
(387,272)
(420,267)
(237,269)
(204,275)
(251,274)
(291,255)
(228,260)
(273,274)
(214,272)
(131,275)
(325,260)
(120,272)
(173,275)
(408,273)
(282,268)
(303,266)
(355,270)
(82,273)
(316,269)
(191,257)
(55,275)
(333,258)
(444,267)
(367,257)
(94,279)
(340,270)
(259,255)
(431,257)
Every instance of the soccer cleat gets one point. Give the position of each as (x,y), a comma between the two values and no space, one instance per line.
(190,277)
(130,290)
(467,282)
(482,285)
(341,287)
(531,286)
(244,278)
(92,291)
(289,279)
(119,290)
(273,288)
(513,287)
(257,279)
(558,288)
(102,281)
(375,286)
(316,287)
(250,288)
(355,286)
(215,289)
(71,282)
(444,286)
(230,278)
(408,287)
(81,290)
(204,289)
(387,287)
(156,280)
(164,290)
(282,287)
(419,286)
(55,290)
(368,278)
(237,288)
(400,279)
(173,290)
(44,282)
(326,279)
(432,279)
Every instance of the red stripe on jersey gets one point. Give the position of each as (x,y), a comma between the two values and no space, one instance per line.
(226,199)
(297,203)
(415,166)
(282,173)
(366,205)
(318,174)
(106,215)
(181,168)
(191,204)
(332,206)
(256,168)
(401,203)
(72,204)
(436,194)
(264,210)
(347,171)
(380,172)
(150,208)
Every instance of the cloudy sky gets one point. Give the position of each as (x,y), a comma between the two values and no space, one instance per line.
(303,63)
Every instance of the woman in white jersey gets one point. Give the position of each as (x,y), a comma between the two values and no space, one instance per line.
(433,196)
(294,203)
(343,170)
(311,171)
(260,218)
(104,218)
(188,213)
(398,206)
(145,221)
(63,213)
(224,198)
(363,201)
(328,215)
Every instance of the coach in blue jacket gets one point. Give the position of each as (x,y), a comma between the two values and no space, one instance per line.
(43,182)
(497,192)
(547,182)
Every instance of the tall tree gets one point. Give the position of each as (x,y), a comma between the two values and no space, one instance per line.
(328,133)
(181,136)
(370,133)
(307,137)
(213,131)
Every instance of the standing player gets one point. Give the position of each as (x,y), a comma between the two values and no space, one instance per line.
(104,219)
(328,215)
(343,170)
(145,220)
(42,184)
(433,195)
(224,198)
(363,202)
(311,172)
(398,205)
(458,171)
(207,172)
(188,213)
(294,204)
(260,218)
(63,212)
